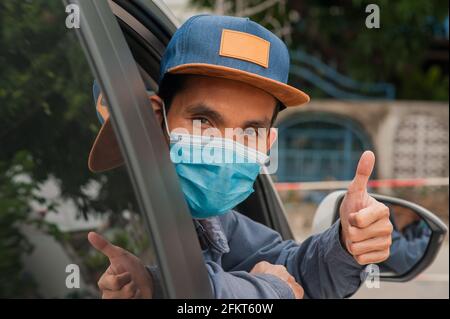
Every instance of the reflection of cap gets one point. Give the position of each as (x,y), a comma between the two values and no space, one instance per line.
(105,153)
(218,46)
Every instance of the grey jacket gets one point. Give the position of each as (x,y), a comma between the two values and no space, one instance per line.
(232,244)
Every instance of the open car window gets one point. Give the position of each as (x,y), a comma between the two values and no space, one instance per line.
(49,199)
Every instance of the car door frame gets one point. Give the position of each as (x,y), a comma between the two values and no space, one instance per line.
(180,260)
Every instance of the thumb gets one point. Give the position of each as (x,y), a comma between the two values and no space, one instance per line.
(363,172)
(104,246)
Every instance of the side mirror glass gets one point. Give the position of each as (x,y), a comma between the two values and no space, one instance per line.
(410,239)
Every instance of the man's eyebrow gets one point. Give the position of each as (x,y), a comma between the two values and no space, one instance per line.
(205,110)
(263,123)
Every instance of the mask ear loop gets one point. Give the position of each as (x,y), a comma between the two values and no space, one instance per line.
(273,136)
(172,138)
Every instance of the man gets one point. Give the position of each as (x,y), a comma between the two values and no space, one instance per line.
(410,238)
(227,72)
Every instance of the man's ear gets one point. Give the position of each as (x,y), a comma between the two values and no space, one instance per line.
(271,138)
(157,105)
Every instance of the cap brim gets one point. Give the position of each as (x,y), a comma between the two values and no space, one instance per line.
(286,94)
(105,153)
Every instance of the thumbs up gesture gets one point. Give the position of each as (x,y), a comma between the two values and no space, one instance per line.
(366,228)
(126,276)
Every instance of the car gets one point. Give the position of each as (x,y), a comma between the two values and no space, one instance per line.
(124,40)
(138,41)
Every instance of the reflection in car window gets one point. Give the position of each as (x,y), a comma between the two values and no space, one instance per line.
(49,200)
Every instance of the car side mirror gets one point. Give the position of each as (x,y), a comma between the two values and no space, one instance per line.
(417,237)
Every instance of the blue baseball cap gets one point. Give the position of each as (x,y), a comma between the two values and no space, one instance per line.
(232,48)
(217,46)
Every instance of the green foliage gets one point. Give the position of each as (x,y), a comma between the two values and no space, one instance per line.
(47,126)
(430,84)
(46,103)
(336,33)
(394,53)
(15,191)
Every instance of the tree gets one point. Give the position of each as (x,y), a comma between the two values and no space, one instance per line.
(335,32)
(272,14)
(47,125)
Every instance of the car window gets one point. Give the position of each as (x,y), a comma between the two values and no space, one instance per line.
(49,200)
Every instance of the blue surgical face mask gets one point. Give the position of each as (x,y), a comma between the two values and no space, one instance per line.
(216,174)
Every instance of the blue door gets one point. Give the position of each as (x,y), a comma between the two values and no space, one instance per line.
(319,147)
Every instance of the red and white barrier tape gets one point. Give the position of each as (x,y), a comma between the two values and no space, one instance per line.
(380,183)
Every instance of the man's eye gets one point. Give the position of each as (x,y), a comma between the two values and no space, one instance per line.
(250,131)
(203,120)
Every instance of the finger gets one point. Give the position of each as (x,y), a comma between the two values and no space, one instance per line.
(363,172)
(380,228)
(138,295)
(117,267)
(104,246)
(370,245)
(130,290)
(296,288)
(368,215)
(373,257)
(119,294)
(114,282)
(100,282)
(110,271)
(108,294)
(298,291)
(281,272)
(259,267)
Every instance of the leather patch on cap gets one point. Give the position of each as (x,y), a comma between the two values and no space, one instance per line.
(245,46)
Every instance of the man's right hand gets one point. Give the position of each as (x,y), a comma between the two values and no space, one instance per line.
(126,276)
(281,272)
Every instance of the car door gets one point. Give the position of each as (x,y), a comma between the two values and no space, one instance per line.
(124,42)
